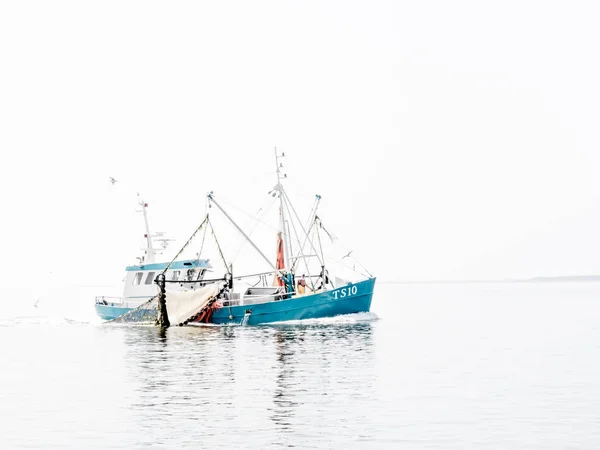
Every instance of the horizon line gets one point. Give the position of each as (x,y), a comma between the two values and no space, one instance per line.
(506,280)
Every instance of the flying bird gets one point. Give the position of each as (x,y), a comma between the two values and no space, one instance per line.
(112,180)
(348,254)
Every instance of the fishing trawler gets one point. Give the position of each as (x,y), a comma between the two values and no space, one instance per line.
(138,284)
(297,286)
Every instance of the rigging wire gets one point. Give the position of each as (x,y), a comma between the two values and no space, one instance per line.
(299,221)
(320,246)
(269,206)
(219,247)
(315,224)
(257,221)
(313,211)
(203,239)
(186,244)
(337,242)
(353,269)
(300,251)
(307,236)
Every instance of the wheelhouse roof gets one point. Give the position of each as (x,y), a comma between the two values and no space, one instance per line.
(177,265)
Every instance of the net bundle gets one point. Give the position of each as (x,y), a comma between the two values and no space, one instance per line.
(145,313)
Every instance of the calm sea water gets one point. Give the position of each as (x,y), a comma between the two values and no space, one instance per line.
(477,366)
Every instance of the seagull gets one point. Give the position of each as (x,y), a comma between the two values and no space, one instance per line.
(348,254)
(112,180)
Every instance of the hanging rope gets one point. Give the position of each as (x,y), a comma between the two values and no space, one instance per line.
(332,238)
(186,244)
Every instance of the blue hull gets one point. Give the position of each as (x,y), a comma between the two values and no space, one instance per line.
(110,312)
(349,299)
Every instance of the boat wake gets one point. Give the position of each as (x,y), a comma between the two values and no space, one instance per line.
(345,319)
(44,320)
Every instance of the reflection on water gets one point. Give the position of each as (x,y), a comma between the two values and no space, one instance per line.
(303,352)
(283,396)
(240,376)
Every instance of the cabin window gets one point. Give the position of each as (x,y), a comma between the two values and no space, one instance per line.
(200,274)
(137,279)
(175,275)
(150,277)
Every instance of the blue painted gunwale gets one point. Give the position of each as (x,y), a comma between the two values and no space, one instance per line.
(311,306)
(177,265)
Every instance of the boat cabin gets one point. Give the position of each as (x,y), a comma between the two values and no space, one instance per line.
(139,281)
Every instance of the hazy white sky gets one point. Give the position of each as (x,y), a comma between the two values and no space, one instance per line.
(450,140)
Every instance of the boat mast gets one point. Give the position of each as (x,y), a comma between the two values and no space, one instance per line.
(282,222)
(150,252)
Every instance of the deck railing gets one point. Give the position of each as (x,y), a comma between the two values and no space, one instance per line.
(117,302)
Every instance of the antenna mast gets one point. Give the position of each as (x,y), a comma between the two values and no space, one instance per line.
(150,252)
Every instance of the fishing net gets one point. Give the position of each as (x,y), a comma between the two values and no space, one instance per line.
(182,305)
